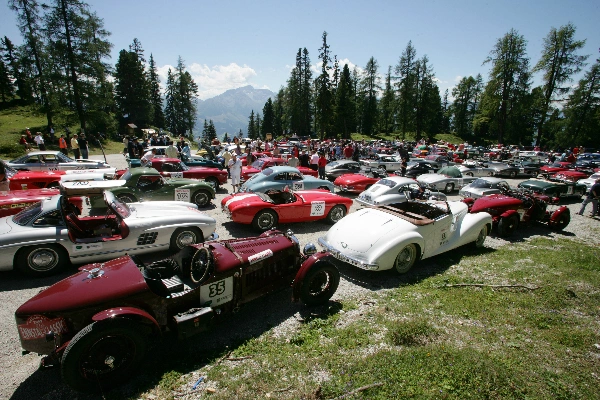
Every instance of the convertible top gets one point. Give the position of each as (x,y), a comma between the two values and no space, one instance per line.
(416,213)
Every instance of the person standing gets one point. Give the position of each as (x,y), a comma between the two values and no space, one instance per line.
(293,161)
(146,160)
(62,144)
(23,142)
(186,152)
(235,169)
(83,146)
(592,197)
(171,151)
(125,144)
(314,161)
(226,158)
(4,184)
(51,130)
(39,140)
(75,146)
(304,159)
(322,162)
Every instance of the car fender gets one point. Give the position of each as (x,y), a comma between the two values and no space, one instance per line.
(126,312)
(197,186)
(307,265)
(385,254)
(509,213)
(558,213)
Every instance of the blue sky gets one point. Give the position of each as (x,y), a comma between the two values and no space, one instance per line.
(229,44)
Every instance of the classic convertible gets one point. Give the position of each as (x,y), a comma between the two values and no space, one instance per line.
(46,237)
(175,168)
(24,180)
(555,189)
(13,202)
(265,210)
(359,182)
(484,187)
(99,323)
(395,189)
(395,236)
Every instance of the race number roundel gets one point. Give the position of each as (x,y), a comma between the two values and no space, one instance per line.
(176,174)
(298,185)
(182,195)
(317,208)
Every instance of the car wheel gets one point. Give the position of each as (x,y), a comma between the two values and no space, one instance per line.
(42,260)
(481,237)
(382,167)
(214,182)
(184,237)
(562,221)
(449,187)
(512,174)
(53,185)
(319,284)
(405,259)
(202,198)
(264,220)
(127,198)
(336,213)
(103,354)
(507,225)
(491,173)
(468,173)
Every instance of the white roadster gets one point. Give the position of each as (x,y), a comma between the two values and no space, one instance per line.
(397,235)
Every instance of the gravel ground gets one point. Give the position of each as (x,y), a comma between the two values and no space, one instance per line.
(21,379)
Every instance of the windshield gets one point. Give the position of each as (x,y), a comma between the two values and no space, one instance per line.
(125,176)
(28,214)
(258,164)
(64,158)
(333,163)
(184,167)
(386,182)
(481,183)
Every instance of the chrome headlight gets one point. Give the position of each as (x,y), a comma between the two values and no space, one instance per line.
(310,249)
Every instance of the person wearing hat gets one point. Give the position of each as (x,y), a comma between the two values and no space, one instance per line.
(592,197)
(75,146)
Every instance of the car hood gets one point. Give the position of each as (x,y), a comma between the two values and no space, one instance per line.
(374,225)
(181,181)
(5,225)
(118,278)
(431,178)
(493,201)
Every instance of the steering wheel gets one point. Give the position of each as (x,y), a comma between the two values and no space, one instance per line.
(201,265)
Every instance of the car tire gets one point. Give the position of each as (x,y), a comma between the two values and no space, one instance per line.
(42,260)
(507,225)
(478,243)
(126,198)
(512,174)
(449,188)
(214,182)
(202,198)
(88,363)
(319,284)
(382,167)
(265,220)
(336,213)
(183,237)
(469,174)
(562,222)
(405,259)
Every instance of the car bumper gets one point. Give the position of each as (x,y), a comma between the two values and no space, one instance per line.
(337,254)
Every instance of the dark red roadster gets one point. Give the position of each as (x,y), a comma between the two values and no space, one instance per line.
(98,323)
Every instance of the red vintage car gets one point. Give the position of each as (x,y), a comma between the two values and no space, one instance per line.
(259,165)
(175,168)
(256,154)
(558,166)
(568,176)
(98,323)
(14,201)
(513,207)
(265,210)
(25,180)
(358,183)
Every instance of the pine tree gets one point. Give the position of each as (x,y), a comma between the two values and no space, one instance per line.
(406,86)
(369,89)
(13,63)
(181,97)
(324,97)
(268,119)
(6,86)
(158,116)
(345,110)
(387,110)
(252,134)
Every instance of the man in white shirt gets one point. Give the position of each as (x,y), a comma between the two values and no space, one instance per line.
(146,160)
(293,161)
(314,160)
(171,151)
(235,169)
(39,140)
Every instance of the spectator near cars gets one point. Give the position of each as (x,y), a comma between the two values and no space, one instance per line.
(592,197)
(39,140)
(75,147)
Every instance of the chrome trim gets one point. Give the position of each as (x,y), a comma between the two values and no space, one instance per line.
(344,258)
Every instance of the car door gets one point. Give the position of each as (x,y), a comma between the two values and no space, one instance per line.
(294,211)
(296,181)
(50,163)
(153,187)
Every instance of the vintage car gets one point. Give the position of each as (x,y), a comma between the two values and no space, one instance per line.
(474,168)
(568,176)
(589,182)
(528,168)
(13,202)
(558,166)
(358,183)
(503,169)
(99,323)
(395,189)
(147,184)
(484,187)
(175,168)
(46,237)
(53,161)
(24,180)
(196,160)
(338,168)
(446,179)
(266,210)
(587,165)
(439,161)
(383,161)
(512,207)
(277,178)
(554,189)
(259,165)
(395,236)
(417,167)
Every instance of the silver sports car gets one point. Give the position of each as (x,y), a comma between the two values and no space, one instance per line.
(395,189)
(447,179)
(484,187)
(53,161)
(44,238)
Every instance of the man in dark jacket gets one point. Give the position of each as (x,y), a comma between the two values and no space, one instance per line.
(592,197)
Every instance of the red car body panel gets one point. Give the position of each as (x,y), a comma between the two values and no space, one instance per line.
(355,183)
(13,202)
(24,180)
(242,207)
(554,168)
(160,164)
(571,176)
(259,165)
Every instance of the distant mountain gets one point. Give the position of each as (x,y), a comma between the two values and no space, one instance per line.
(230,111)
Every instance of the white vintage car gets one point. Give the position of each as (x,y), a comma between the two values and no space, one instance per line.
(395,189)
(385,162)
(397,235)
(49,235)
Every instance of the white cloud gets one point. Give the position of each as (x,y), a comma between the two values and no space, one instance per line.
(212,81)
(458,78)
